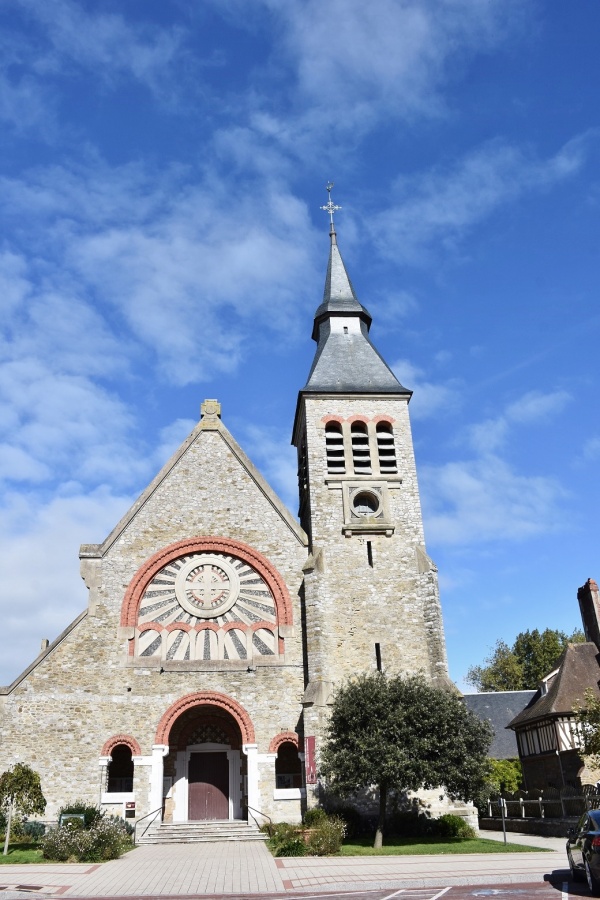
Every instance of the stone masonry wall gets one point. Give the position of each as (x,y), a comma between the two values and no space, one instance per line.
(83,691)
(351,605)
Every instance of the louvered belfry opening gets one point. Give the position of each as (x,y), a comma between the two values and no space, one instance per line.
(386,449)
(361,453)
(334,444)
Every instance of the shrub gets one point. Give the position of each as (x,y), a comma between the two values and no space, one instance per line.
(90,813)
(314,816)
(327,836)
(283,835)
(34,830)
(405,823)
(451,826)
(105,839)
(352,819)
(292,847)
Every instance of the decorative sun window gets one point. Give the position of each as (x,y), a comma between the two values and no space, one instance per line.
(206,606)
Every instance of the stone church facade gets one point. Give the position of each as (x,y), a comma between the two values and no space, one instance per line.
(199,678)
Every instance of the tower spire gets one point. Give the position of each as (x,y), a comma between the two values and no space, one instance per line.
(331,209)
(345,360)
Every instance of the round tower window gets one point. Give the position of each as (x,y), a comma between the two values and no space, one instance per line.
(365,504)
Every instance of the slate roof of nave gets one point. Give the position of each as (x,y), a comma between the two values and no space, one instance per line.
(499,708)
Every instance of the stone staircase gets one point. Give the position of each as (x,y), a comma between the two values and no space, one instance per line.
(199,832)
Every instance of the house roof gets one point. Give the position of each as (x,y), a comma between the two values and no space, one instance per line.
(499,708)
(577,670)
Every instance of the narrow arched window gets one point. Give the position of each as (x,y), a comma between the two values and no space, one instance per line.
(361,454)
(386,449)
(120,770)
(288,771)
(334,446)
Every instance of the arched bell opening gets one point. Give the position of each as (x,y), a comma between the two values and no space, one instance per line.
(205,768)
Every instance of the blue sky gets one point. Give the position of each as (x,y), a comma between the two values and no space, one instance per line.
(162,166)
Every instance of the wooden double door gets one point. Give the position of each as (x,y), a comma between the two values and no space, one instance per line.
(208,786)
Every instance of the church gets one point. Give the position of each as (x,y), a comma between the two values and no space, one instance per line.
(197,683)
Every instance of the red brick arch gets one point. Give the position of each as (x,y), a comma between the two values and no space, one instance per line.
(205,698)
(286,737)
(388,419)
(117,739)
(145,574)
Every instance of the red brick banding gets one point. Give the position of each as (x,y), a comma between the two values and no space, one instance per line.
(269,574)
(286,737)
(205,698)
(117,739)
(388,419)
(326,420)
(364,420)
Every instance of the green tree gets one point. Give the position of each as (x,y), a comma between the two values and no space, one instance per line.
(20,792)
(521,667)
(588,719)
(401,734)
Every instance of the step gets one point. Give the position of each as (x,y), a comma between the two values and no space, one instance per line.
(200,832)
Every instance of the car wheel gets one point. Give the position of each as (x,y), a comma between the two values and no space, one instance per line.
(593,884)
(575,872)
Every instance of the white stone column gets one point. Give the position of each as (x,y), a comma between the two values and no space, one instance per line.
(251,751)
(104,762)
(159,751)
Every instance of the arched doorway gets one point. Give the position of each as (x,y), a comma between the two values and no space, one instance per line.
(205,769)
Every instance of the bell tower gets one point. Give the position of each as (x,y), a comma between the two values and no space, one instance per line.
(371,591)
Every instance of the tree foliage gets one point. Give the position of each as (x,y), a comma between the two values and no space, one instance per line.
(402,734)
(521,667)
(588,718)
(20,792)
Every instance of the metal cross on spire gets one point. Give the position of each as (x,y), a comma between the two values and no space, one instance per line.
(330,208)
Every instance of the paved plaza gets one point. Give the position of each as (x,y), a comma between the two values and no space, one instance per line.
(242,869)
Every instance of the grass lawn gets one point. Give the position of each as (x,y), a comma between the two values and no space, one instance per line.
(421,845)
(22,853)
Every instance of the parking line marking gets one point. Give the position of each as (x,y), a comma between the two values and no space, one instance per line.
(441,893)
(565,891)
(395,894)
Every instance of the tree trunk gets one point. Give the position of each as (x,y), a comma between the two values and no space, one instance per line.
(8,824)
(381,820)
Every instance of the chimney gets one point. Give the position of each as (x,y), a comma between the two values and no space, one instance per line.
(589,604)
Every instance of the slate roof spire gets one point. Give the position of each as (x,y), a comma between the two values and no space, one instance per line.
(346,360)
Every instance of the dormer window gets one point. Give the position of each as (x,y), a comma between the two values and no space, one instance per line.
(386,449)
(334,444)
(361,452)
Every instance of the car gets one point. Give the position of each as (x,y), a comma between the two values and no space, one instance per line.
(583,850)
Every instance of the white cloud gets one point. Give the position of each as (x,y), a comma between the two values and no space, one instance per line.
(355,64)
(270,449)
(104,42)
(484,499)
(534,406)
(171,438)
(42,589)
(445,203)
(428,398)
(190,272)
(591,450)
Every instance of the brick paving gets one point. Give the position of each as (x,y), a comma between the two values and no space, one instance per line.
(247,868)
